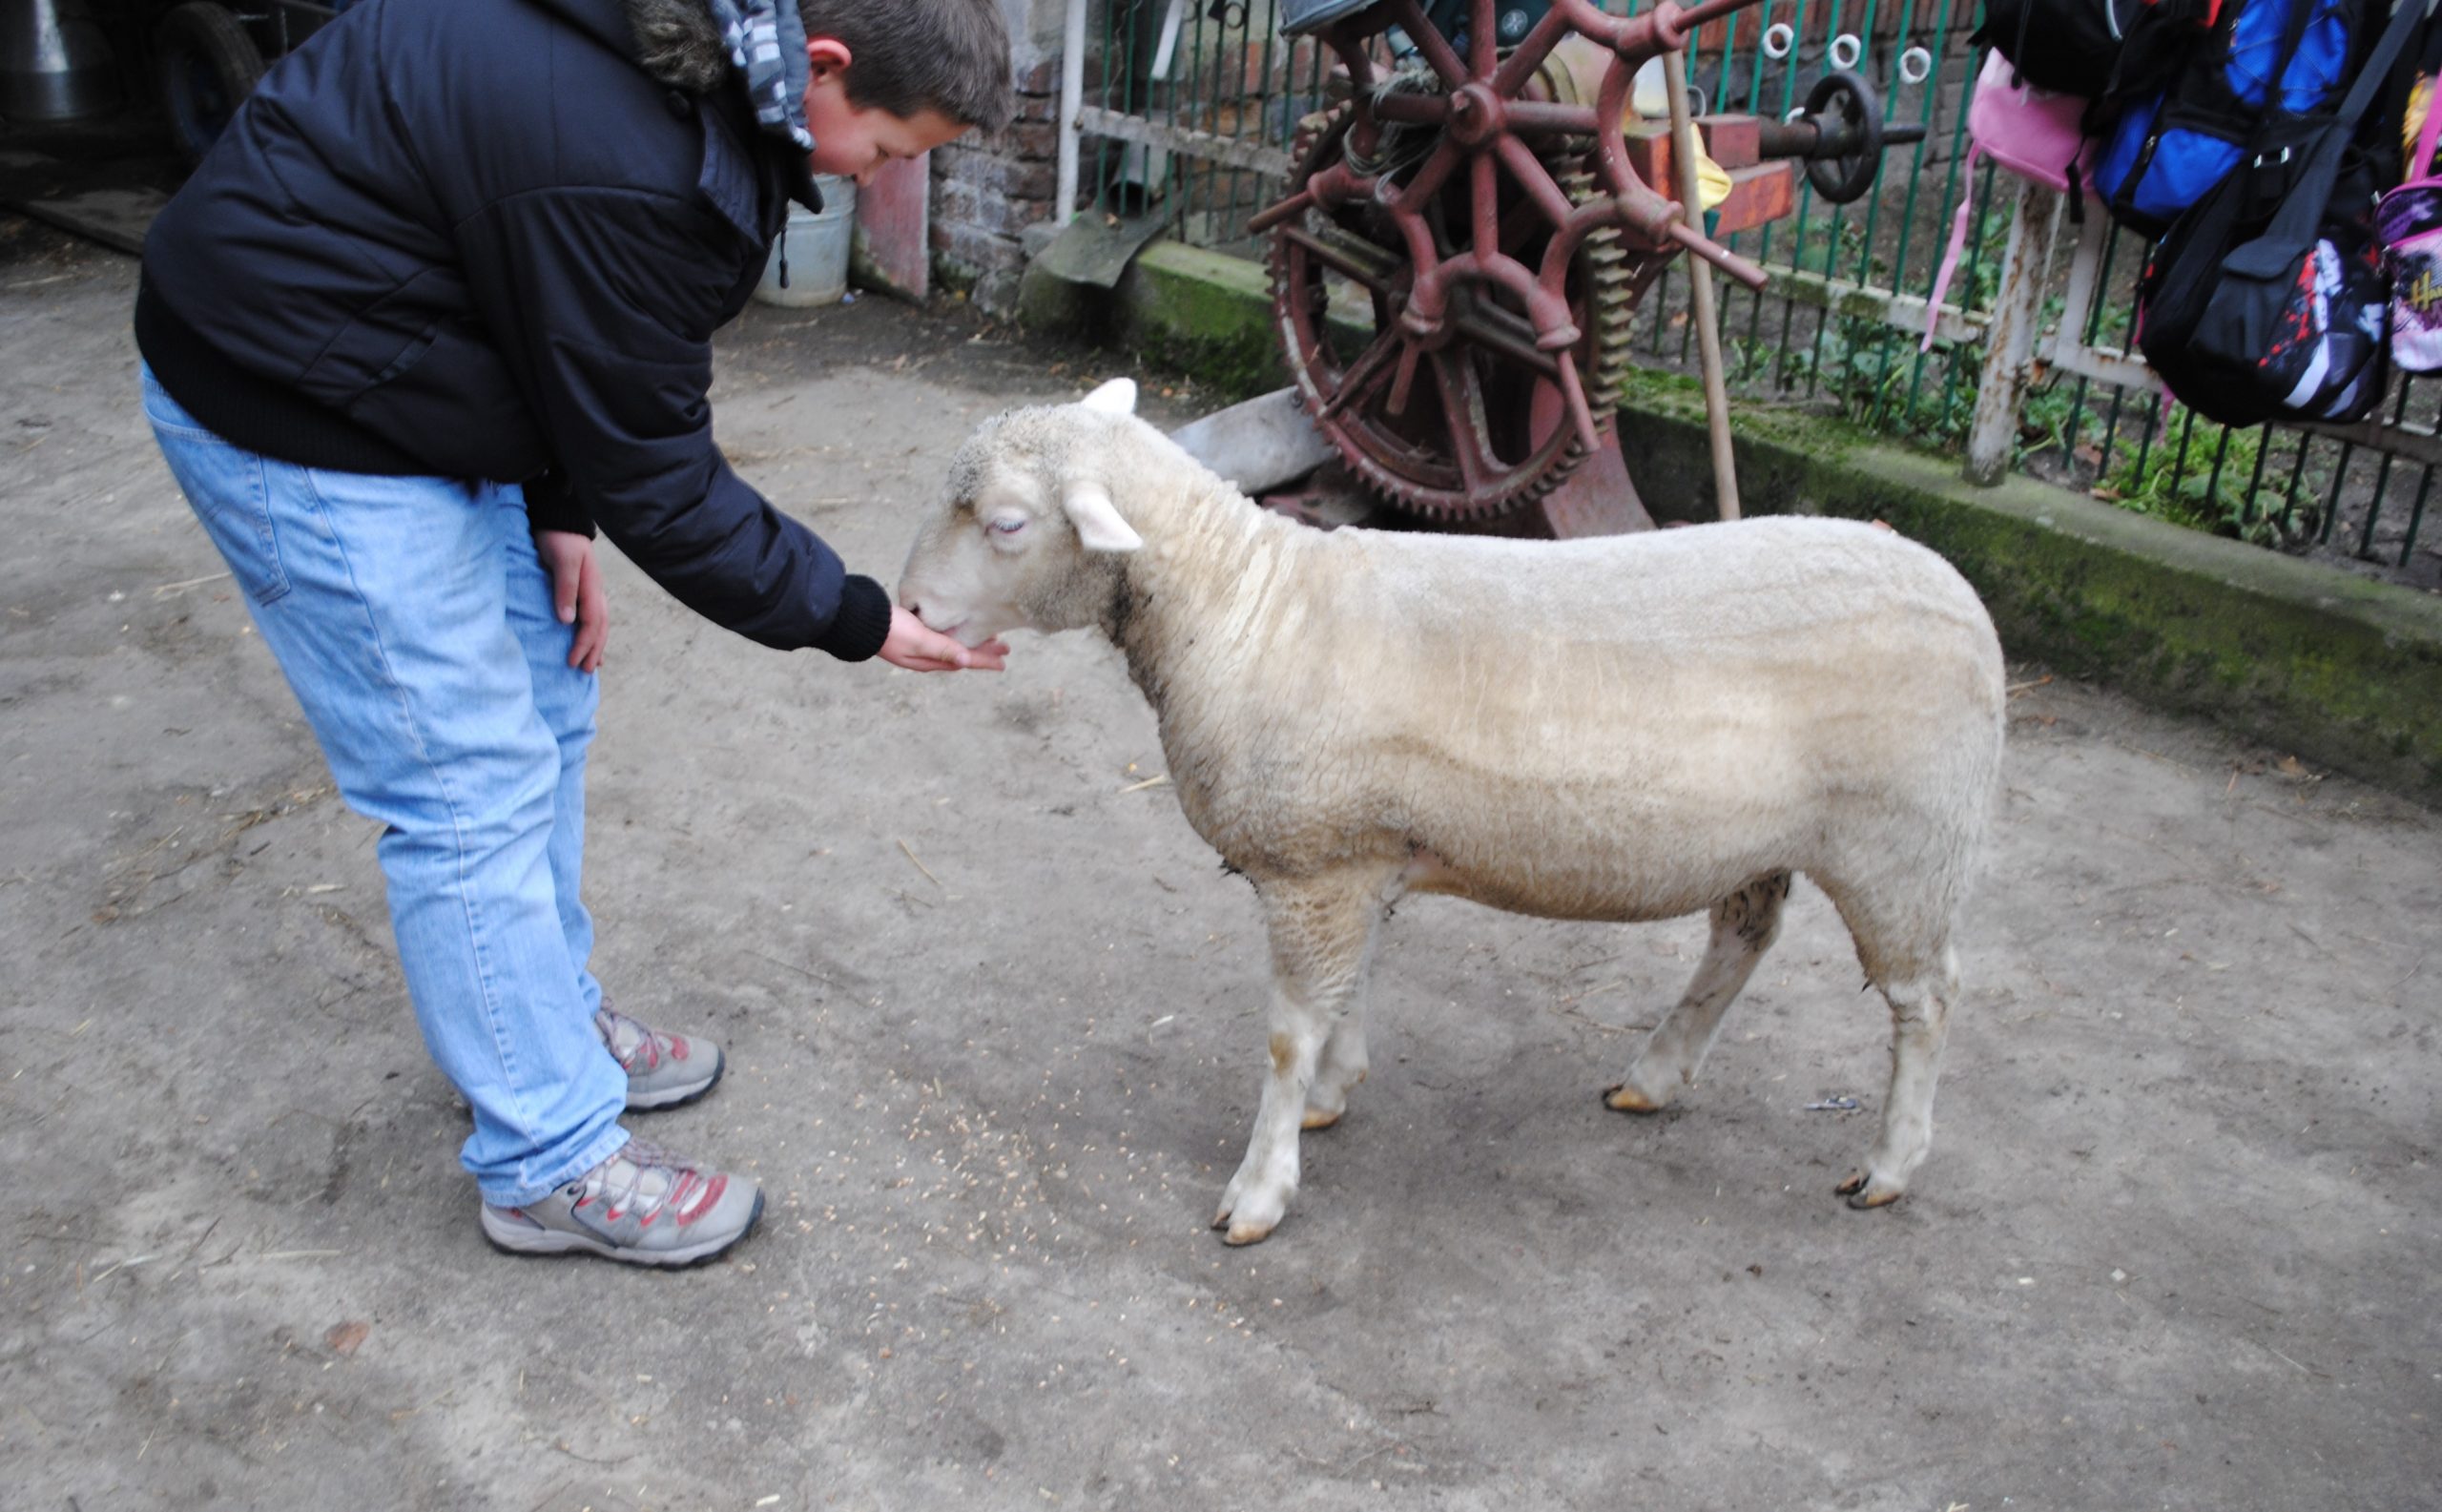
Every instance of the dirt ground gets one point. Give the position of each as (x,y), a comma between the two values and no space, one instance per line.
(995,1021)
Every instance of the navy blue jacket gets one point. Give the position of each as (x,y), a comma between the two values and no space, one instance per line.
(475,238)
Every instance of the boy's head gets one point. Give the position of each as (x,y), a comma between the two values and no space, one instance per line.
(893,80)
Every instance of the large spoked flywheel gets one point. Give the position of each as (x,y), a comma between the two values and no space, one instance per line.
(1467,416)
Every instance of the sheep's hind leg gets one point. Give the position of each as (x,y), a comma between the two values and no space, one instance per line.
(1744,924)
(1921,1000)
(1322,935)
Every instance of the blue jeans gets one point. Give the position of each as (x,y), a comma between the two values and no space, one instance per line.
(415,624)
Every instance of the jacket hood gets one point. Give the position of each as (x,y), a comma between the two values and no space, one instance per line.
(764,42)
(677,43)
(696,45)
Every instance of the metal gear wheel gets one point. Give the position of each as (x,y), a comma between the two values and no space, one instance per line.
(1468,423)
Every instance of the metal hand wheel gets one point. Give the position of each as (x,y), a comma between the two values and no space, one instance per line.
(1847,120)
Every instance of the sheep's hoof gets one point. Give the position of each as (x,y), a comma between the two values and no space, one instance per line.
(1248,1217)
(1626,1099)
(1865,1191)
(1320,1118)
(1246,1230)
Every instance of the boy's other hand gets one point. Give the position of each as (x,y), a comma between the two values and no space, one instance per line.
(914,645)
(576,594)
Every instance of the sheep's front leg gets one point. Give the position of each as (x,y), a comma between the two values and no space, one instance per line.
(1322,935)
(1745,925)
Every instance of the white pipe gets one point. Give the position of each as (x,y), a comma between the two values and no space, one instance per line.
(1168,48)
(1072,99)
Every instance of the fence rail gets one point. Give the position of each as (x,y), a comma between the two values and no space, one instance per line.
(1197,104)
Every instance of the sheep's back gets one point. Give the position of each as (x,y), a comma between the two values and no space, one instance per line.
(1657,717)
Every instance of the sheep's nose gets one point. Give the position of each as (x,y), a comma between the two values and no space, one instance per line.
(910,605)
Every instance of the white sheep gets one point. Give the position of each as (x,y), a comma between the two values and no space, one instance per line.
(1630,728)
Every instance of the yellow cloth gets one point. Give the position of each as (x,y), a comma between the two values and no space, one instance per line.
(2413,125)
(1574,72)
(1647,102)
(1712,182)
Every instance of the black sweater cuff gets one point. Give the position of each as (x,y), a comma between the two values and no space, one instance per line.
(551,505)
(863,621)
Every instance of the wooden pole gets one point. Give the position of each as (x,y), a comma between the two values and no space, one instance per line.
(1685,150)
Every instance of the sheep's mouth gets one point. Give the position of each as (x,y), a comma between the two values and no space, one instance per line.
(968,632)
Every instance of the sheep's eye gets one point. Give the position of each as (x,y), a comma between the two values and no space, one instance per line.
(1007,524)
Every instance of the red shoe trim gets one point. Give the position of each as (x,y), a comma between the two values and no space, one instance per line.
(712,1189)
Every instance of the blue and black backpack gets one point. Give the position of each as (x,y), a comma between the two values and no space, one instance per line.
(2264,59)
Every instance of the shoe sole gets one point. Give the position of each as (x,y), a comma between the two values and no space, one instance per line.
(542,1243)
(679,1096)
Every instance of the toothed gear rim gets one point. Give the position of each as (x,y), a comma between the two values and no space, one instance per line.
(1410,461)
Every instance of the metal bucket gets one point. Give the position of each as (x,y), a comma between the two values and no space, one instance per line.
(50,69)
(816,246)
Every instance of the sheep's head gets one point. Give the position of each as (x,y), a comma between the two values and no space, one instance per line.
(1028,537)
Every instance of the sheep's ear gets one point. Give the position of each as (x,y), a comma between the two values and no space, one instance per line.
(1099,527)
(1118,397)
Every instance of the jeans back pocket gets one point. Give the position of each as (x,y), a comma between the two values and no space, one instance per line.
(226,488)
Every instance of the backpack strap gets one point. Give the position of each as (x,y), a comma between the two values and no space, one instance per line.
(1957,245)
(2274,254)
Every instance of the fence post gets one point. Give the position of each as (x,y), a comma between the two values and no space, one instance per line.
(1072,97)
(2010,342)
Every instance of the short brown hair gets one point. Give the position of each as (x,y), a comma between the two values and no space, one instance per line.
(907,56)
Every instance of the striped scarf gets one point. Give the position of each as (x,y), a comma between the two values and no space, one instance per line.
(766,42)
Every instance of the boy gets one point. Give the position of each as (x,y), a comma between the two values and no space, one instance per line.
(436,306)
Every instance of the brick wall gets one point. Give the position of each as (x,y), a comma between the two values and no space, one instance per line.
(987,190)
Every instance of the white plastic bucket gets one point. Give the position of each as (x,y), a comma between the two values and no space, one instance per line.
(816,246)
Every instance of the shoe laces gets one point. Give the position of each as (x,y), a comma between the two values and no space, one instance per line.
(654,1178)
(630,1041)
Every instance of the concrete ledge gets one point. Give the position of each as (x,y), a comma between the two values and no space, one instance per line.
(1193,311)
(2345,672)
(1203,313)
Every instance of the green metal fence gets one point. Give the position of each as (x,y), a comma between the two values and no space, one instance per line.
(1199,104)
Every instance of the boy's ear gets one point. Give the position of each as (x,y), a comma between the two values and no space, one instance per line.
(1099,527)
(827,52)
(1118,397)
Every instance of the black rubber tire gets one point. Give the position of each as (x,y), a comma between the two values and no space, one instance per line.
(206,66)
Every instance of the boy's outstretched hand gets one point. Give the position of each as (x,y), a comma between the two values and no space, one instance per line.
(918,647)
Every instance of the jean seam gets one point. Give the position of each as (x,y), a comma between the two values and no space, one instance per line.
(397,687)
(573,742)
(268,534)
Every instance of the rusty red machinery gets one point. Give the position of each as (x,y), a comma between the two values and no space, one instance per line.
(1468,234)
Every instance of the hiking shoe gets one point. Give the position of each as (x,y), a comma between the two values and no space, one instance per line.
(663,1069)
(644,1204)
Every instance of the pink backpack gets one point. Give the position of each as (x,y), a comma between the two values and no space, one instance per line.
(2409,224)
(2030,131)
